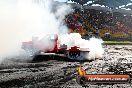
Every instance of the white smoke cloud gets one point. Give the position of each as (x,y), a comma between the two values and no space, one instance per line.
(22,19)
(95,47)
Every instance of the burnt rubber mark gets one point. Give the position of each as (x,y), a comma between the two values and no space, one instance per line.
(32,78)
(27,65)
(67,78)
(71,74)
(26,80)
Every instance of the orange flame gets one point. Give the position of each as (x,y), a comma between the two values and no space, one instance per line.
(81,71)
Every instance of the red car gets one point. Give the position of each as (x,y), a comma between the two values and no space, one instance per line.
(35,47)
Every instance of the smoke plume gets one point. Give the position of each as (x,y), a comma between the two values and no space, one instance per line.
(20,20)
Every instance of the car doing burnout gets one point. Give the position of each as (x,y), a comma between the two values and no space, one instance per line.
(35,47)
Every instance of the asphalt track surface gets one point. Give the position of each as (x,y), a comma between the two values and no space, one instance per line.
(59,72)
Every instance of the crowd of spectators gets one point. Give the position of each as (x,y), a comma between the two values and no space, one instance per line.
(99,22)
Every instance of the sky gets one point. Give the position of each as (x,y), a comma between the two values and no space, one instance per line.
(61,0)
(122,7)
